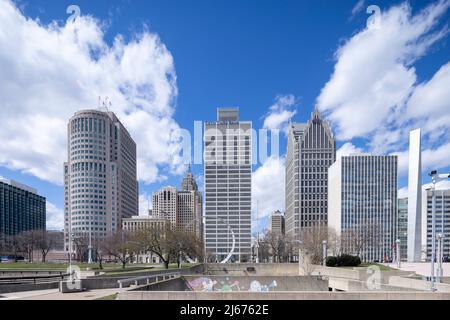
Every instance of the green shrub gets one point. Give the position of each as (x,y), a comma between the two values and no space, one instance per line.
(331,261)
(344,260)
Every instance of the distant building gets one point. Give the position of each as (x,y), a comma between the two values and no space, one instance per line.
(141,223)
(276,223)
(442,220)
(363,204)
(311,151)
(182,208)
(21,209)
(100,179)
(228,187)
(402,226)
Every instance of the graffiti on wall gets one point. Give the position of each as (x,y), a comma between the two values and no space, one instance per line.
(206,284)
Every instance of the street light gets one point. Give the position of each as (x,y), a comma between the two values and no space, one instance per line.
(397,251)
(435,177)
(324,253)
(440,241)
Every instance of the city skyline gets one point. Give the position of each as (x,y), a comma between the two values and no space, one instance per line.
(272,105)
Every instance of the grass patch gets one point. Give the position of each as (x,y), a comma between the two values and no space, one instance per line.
(110,297)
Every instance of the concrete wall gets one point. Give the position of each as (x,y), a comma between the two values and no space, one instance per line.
(256,283)
(178,284)
(109,282)
(262,269)
(8,288)
(30,273)
(223,296)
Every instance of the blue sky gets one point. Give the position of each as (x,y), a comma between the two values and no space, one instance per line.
(250,54)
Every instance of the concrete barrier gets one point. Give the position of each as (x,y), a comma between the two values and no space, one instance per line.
(223,296)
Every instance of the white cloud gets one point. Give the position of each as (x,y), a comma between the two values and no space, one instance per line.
(48,72)
(55,217)
(374,94)
(402,193)
(359,6)
(145,203)
(268,187)
(441,185)
(280,113)
(348,149)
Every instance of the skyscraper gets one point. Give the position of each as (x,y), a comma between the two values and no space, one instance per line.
(276,223)
(228,179)
(182,208)
(402,227)
(100,180)
(363,204)
(21,209)
(311,151)
(442,220)
(414,197)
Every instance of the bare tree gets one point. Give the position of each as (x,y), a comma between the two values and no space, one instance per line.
(121,245)
(45,241)
(311,243)
(277,245)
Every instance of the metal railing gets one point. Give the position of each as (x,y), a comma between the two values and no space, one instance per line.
(32,280)
(146,279)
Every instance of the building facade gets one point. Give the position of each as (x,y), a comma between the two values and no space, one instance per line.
(228,193)
(136,224)
(21,209)
(402,226)
(363,205)
(184,208)
(442,221)
(100,179)
(311,151)
(276,223)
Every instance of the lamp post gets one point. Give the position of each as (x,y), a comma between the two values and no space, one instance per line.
(70,252)
(90,245)
(440,248)
(397,251)
(324,253)
(435,177)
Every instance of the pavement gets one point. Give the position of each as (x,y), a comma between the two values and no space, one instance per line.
(54,294)
(422,268)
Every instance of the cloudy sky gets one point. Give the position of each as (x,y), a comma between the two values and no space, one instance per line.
(165,64)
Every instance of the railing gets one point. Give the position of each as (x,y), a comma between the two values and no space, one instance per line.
(32,280)
(146,279)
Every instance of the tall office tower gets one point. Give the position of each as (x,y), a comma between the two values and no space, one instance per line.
(165,204)
(442,221)
(21,209)
(402,227)
(228,193)
(190,206)
(414,197)
(100,180)
(311,151)
(362,203)
(276,223)
(182,208)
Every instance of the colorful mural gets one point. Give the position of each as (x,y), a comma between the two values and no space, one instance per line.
(206,284)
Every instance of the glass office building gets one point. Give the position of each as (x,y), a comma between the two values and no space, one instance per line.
(21,209)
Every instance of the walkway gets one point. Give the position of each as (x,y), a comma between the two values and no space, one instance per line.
(54,294)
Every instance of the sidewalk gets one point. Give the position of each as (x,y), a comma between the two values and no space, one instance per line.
(54,294)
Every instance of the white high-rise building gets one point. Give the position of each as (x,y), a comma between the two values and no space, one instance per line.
(442,221)
(414,197)
(362,202)
(228,193)
(100,179)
